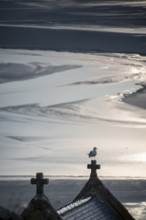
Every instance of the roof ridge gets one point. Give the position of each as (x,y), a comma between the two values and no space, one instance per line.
(73,205)
(95,187)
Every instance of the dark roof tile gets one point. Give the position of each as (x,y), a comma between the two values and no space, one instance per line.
(94,187)
(89,209)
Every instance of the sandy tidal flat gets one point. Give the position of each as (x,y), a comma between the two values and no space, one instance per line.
(56,106)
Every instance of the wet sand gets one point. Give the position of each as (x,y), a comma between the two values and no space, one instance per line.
(76,26)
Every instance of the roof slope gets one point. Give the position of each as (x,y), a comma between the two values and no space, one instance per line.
(94,202)
(95,188)
(90,208)
(40,207)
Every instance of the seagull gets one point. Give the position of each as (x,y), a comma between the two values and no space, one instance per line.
(93,152)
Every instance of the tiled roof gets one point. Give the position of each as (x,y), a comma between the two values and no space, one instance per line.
(94,187)
(72,206)
(89,209)
(94,202)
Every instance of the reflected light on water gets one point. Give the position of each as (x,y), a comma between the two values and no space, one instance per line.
(138,73)
(140,157)
(137,209)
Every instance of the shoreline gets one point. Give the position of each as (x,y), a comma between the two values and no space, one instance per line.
(137,98)
(70,178)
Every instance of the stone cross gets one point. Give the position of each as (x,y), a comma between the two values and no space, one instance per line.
(93,166)
(39,181)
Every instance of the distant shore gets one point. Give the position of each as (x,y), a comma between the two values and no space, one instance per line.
(71,40)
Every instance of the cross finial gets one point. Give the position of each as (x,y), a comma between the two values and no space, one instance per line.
(93,166)
(39,181)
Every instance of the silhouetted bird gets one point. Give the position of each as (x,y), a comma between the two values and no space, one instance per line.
(93,152)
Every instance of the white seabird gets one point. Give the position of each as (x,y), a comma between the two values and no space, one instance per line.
(93,152)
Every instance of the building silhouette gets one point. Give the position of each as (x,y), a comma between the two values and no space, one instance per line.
(94,202)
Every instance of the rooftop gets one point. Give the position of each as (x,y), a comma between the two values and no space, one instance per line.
(94,201)
(89,208)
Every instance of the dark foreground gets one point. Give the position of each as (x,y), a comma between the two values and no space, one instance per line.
(15,195)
